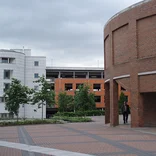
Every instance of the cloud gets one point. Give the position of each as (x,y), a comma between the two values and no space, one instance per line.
(69,32)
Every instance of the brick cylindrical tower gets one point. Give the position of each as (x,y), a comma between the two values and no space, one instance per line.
(130,60)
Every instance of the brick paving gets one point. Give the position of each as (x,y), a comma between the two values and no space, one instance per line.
(93,138)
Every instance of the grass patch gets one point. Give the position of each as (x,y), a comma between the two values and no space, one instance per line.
(30,122)
(72,119)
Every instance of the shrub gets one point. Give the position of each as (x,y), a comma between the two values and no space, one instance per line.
(73,119)
(81,113)
(30,122)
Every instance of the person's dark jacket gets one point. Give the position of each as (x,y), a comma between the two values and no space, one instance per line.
(128,109)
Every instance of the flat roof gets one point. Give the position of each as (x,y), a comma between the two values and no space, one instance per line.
(75,68)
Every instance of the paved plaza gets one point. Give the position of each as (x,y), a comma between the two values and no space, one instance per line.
(77,139)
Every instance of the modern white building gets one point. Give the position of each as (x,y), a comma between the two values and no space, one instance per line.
(18,63)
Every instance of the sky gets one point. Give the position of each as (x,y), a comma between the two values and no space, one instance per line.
(68,32)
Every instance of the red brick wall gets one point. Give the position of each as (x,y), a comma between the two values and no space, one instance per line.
(60,86)
(146,28)
(132,50)
(120,44)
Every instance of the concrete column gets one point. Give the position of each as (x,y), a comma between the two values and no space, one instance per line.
(107,103)
(114,112)
(59,75)
(87,76)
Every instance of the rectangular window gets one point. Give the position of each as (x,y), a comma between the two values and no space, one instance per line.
(6,86)
(96,87)
(68,86)
(97,98)
(1,99)
(7,74)
(36,63)
(4,60)
(11,60)
(78,84)
(36,75)
(4,115)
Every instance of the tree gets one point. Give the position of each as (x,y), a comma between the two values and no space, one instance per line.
(121,100)
(83,99)
(14,96)
(65,102)
(44,96)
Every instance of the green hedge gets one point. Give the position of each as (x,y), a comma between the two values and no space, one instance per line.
(81,113)
(73,119)
(29,122)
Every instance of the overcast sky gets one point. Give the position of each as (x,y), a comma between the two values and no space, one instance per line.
(67,32)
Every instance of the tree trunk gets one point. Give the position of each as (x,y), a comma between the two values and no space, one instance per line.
(17,117)
(42,110)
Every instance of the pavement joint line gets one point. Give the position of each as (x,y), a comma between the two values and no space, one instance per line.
(26,140)
(21,140)
(117,144)
(38,149)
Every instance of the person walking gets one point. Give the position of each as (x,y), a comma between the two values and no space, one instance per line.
(125,111)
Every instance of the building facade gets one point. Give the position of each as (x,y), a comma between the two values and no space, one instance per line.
(69,78)
(130,61)
(19,64)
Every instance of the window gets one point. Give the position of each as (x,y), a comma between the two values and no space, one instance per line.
(97,98)
(36,87)
(96,87)
(7,60)
(78,84)
(36,75)
(6,86)
(1,99)
(4,60)
(7,74)
(36,63)
(68,86)
(4,115)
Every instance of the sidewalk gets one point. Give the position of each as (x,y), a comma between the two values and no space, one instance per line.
(93,138)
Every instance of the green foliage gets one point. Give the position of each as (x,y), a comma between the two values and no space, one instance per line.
(14,96)
(30,122)
(83,99)
(44,95)
(73,119)
(81,113)
(65,102)
(121,100)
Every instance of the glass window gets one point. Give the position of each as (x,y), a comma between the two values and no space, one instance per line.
(36,63)
(97,87)
(97,98)
(6,86)
(78,84)
(36,75)
(1,99)
(4,60)
(7,74)
(68,86)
